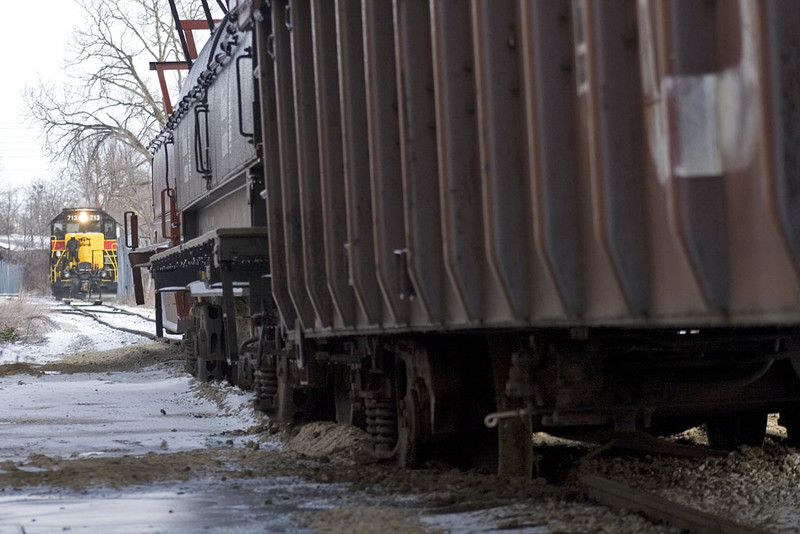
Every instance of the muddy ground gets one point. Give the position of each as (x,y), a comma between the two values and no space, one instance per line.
(326,480)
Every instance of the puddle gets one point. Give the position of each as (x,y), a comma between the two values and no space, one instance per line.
(251,506)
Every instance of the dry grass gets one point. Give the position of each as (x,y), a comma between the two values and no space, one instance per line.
(22,318)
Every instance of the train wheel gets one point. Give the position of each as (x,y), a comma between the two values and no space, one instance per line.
(790,418)
(443,392)
(208,370)
(730,431)
(274,393)
(298,405)
(246,365)
(410,431)
(413,407)
(190,349)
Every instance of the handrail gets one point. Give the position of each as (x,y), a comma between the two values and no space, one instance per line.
(203,166)
(132,240)
(174,234)
(248,54)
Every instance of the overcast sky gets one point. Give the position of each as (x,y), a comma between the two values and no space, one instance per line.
(33,39)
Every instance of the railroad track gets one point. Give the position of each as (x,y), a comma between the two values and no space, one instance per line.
(98,311)
(621,496)
(631,497)
(633,490)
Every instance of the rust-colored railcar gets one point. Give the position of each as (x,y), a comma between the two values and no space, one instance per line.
(410,215)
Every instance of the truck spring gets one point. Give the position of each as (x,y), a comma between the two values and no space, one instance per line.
(266,388)
(381,416)
(190,365)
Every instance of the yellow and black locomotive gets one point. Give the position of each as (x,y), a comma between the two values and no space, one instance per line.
(83,254)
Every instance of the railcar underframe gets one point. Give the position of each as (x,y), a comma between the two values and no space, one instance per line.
(474,397)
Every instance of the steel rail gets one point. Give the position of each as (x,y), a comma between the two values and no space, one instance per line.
(621,496)
(149,335)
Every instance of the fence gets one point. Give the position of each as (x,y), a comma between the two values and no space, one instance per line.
(10,278)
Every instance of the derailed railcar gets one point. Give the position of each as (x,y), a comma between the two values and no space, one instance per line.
(548,214)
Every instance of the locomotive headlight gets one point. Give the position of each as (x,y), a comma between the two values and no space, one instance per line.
(83,217)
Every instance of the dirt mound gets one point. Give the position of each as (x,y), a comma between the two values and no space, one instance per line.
(17,368)
(120,471)
(113,472)
(130,358)
(328,440)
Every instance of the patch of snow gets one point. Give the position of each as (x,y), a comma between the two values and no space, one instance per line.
(113,413)
(76,333)
(72,334)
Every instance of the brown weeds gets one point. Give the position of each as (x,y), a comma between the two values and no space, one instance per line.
(22,318)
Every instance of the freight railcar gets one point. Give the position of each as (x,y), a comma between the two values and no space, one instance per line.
(456,222)
(83,254)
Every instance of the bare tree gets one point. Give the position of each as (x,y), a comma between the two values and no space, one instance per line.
(104,120)
(10,208)
(112,177)
(41,201)
(115,96)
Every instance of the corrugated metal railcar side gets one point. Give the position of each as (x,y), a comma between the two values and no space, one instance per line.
(500,163)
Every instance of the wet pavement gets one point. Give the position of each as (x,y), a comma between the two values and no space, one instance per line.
(154,411)
(55,407)
(265,505)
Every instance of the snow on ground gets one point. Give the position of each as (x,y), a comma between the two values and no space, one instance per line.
(73,332)
(99,414)
(78,414)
